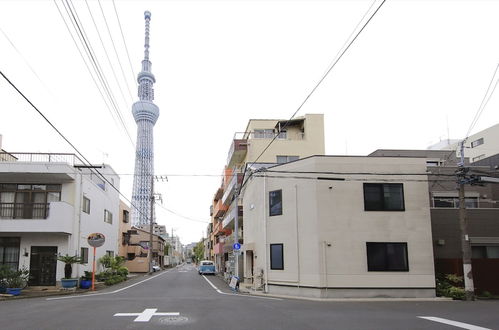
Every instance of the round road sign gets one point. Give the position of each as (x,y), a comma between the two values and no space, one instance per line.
(236,246)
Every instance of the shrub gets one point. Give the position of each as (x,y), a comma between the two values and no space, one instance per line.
(450,285)
(456,293)
(113,279)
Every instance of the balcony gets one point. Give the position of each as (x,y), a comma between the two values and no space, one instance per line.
(218,248)
(234,211)
(230,190)
(238,150)
(55,217)
(219,209)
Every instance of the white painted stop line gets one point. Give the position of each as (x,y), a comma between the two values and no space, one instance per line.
(453,323)
(146,315)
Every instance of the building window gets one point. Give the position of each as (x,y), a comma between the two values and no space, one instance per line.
(283,135)
(383,197)
(9,251)
(453,202)
(476,143)
(485,252)
(84,255)
(275,202)
(27,201)
(86,205)
(126,216)
(130,256)
(276,257)
(286,159)
(110,253)
(263,134)
(387,257)
(108,217)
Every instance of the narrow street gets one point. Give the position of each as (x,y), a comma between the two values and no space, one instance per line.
(181,299)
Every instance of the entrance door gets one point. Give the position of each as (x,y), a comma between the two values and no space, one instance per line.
(43,265)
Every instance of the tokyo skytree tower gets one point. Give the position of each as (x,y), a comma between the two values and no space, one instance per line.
(145,113)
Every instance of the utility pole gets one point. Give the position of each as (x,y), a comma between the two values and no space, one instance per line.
(151,224)
(463,223)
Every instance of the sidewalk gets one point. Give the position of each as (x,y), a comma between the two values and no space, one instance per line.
(47,291)
(246,288)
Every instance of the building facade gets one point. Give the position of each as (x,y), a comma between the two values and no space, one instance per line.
(49,204)
(482,213)
(322,227)
(301,137)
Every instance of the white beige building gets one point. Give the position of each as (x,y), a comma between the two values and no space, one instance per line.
(339,226)
(49,204)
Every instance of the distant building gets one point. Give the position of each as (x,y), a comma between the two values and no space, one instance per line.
(482,213)
(138,248)
(478,146)
(301,137)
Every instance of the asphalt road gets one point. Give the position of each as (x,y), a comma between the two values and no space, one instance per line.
(182,299)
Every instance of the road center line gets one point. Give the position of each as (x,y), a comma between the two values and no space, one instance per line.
(233,294)
(453,323)
(106,293)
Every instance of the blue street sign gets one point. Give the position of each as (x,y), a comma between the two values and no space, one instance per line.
(236,246)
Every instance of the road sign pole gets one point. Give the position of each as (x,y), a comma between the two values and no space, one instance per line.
(93,271)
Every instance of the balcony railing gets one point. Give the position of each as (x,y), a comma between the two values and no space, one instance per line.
(24,210)
(30,157)
(231,188)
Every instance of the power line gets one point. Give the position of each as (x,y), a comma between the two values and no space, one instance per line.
(107,55)
(86,64)
(115,51)
(72,13)
(338,58)
(182,216)
(69,142)
(484,102)
(124,40)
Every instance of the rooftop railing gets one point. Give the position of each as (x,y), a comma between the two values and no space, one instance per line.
(31,157)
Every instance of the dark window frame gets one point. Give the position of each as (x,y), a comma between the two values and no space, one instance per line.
(84,255)
(85,207)
(368,206)
(386,267)
(10,242)
(279,211)
(272,264)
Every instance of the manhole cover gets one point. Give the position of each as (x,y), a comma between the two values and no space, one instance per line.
(174,320)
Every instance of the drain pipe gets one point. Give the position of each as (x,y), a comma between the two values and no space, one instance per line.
(266,276)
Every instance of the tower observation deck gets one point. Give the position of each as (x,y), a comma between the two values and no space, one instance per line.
(145,113)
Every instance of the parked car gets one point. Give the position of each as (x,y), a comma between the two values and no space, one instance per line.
(156,268)
(206,267)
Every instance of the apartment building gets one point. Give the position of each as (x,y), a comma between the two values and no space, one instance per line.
(49,204)
(295,139)
(339,226)
(137,250)
(482,213)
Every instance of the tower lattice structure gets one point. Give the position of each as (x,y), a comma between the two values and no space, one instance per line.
(145,113)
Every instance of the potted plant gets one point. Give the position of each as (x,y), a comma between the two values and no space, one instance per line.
(86,280)
(4,273)
(15,280)
(67,281)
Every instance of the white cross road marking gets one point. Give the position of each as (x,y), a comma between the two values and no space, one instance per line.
(454,323)
(146,315)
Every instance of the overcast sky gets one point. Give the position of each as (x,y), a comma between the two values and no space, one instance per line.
(416,74)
